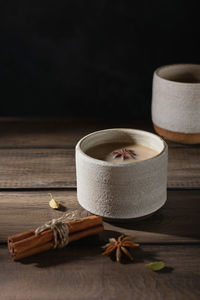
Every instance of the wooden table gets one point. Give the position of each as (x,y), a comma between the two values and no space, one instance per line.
(37,157)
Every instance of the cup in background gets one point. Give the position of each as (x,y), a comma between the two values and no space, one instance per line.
(176,102)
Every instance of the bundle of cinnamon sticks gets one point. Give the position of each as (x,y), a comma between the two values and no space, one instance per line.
(28,243)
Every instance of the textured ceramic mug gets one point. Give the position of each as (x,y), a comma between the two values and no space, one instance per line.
(121,191)
(176,102)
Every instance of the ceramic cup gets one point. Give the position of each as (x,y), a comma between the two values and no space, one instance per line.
(176,102)
(121,191)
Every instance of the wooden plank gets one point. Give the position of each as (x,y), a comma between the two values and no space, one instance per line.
(55,168)
(80,272)
(40,133)
(177,222)
(184,167)
(37,168)
(54,132)
(51,132)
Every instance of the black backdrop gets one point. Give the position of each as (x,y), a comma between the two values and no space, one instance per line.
(90,58)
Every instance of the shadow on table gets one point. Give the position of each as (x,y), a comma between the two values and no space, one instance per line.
(89,250)
(178,217)
(84,249)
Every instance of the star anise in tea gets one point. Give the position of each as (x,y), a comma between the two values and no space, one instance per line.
(124,153)
(120,246)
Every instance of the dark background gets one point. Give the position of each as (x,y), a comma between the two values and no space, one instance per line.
(90,58)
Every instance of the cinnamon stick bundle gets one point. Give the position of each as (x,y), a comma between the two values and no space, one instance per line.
(27,243)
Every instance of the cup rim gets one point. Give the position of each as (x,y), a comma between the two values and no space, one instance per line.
(156,72)
(110,164)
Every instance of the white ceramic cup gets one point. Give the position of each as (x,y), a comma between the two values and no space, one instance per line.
(121,191)
(176,102)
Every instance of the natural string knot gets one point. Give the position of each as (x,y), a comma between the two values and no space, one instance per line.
(60,230)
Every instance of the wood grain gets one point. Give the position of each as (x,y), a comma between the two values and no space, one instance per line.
(76,273)
(177,221)
(37,168)
(55,168)
(39,154)
(55,133)
(184,167)
(16,133)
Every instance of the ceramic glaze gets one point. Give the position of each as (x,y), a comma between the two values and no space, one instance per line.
(121,191)
(176,102)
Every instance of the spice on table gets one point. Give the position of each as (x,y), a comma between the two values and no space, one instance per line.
(156,265)
(53,203)
(55,233)
(124,153)
(120,246)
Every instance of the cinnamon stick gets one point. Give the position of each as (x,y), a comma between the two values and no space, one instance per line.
(27,243)
(49,245)
(77,225)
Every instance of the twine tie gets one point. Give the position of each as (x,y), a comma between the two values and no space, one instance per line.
(60,230)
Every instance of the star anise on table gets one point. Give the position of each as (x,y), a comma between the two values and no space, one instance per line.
(120,246)
(124,153)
